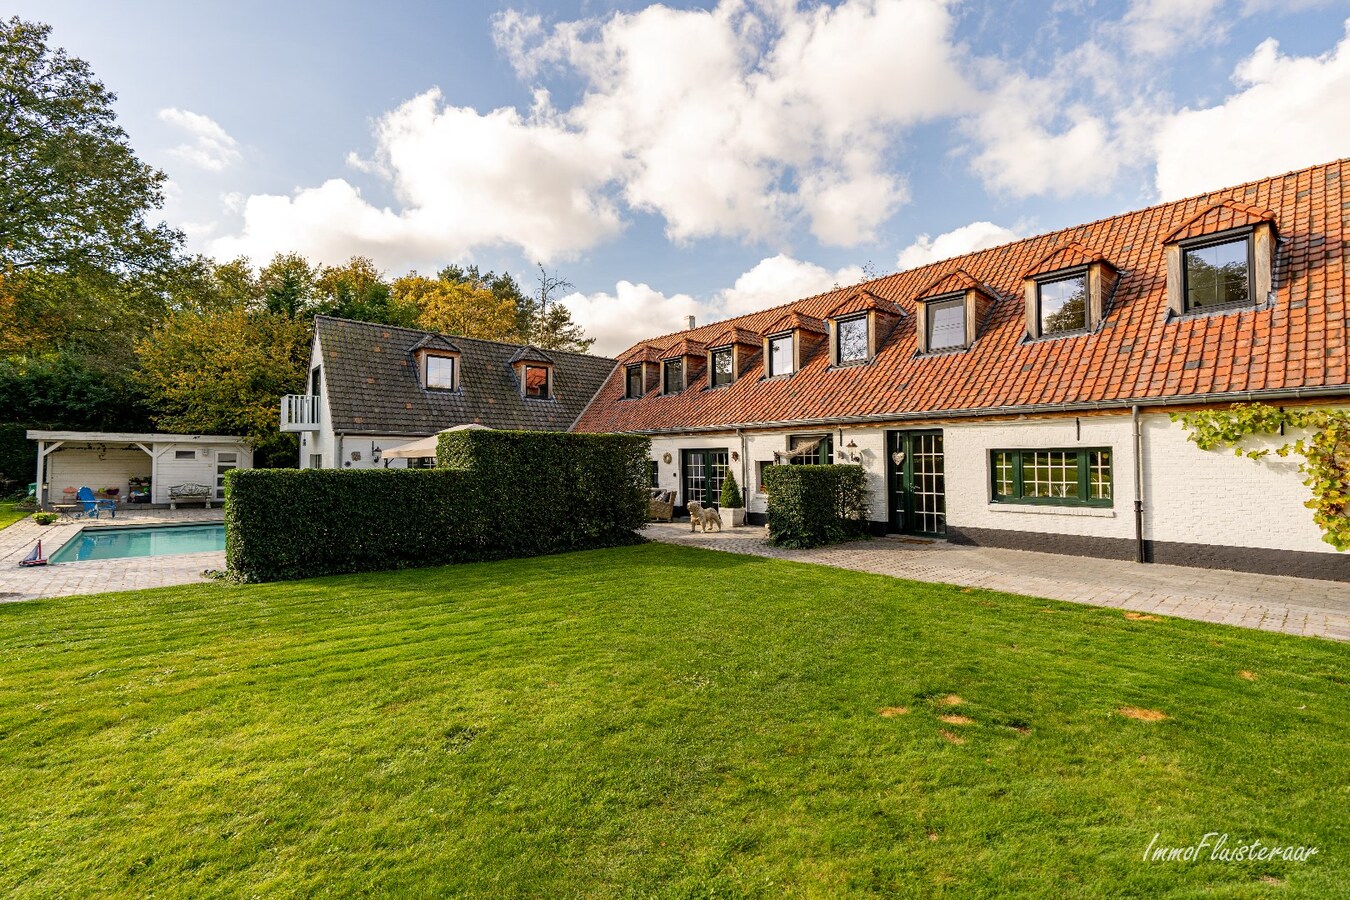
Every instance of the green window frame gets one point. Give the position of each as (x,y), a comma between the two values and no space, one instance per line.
(1072,476)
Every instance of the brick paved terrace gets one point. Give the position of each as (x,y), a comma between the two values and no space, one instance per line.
(1301,606)
(97,576)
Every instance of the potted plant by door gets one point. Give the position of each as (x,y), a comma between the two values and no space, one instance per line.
(731,505)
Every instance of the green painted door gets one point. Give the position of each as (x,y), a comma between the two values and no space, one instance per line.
(916,482)
(703,472)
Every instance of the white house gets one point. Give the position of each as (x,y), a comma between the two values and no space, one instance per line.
(1022,396)
(131,463)
(376,387)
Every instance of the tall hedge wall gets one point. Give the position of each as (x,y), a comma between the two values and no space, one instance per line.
(501,495)
(814,505)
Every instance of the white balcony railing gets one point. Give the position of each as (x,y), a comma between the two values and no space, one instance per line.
(299,412)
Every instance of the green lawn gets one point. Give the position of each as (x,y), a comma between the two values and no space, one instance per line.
(10,512)
(654,720)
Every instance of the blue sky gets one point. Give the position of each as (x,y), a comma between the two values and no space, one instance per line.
(700,159)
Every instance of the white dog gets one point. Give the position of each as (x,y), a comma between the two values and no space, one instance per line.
(699,515)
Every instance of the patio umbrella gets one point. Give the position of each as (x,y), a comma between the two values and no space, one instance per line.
(424,447)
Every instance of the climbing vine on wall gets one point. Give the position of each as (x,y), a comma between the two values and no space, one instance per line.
(1324,447)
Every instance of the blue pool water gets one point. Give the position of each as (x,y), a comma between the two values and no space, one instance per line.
(120,543)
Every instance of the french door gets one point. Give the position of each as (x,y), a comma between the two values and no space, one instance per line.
(704,472)
(916,482)
(224,463)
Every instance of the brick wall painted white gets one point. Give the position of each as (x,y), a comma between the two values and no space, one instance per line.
(1214,497)
(1190,495)
(967,447)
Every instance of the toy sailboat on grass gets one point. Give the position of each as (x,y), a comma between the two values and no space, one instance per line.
(35,557)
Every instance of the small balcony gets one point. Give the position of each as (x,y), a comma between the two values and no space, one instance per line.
(300,412)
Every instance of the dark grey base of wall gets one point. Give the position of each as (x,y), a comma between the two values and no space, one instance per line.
(1298,563)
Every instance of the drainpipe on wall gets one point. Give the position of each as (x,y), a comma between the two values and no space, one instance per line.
(745,471)
(1137,428)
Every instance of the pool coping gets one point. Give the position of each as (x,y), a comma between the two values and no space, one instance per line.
(116,526)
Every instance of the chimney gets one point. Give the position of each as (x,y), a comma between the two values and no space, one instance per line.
(688,323)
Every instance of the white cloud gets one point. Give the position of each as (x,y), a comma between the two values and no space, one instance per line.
(210,148)
(1159,27)
(636,312)
(958,241)
(741,120)
(1293,111)
(780,279)
(463,180)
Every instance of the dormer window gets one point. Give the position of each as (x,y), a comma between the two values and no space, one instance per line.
(946,323)
(780,355)
(1217,274)
(852,340)
(538,382)
(1221,259)
(950,313)
(534,373)
(790,342)
(1068,292)
(723,370)
(672,376)
(633,382)
(1062,304)
(440,372)
(437,363)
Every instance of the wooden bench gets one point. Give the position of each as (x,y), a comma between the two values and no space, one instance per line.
(190,493)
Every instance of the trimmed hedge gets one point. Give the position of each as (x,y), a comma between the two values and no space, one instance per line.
(508,495)
(814,505)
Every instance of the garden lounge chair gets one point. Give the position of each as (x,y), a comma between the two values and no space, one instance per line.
(93,506)
(661,506)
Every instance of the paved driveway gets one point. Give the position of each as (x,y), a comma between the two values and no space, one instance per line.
(96,576)
(1301,606)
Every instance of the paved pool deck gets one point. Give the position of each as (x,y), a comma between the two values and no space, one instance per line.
(97,576)
(1301,606)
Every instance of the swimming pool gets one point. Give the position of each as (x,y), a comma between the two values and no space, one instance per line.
(146,540)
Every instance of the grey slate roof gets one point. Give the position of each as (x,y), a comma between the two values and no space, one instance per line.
(373,387)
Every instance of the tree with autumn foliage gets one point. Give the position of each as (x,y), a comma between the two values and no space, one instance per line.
(457,307)
(224,373)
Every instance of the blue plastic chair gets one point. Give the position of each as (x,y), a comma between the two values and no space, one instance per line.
(92,505)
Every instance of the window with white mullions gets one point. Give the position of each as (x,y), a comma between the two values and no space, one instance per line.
(1070,477)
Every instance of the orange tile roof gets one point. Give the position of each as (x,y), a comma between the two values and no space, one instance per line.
(1070,255)
(685,347)
(1139,354)
(950,283)
(796,321)
(642,353)
(1221,216)
(735,335)
(860,300)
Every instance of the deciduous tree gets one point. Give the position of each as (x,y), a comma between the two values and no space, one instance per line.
(224,373)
